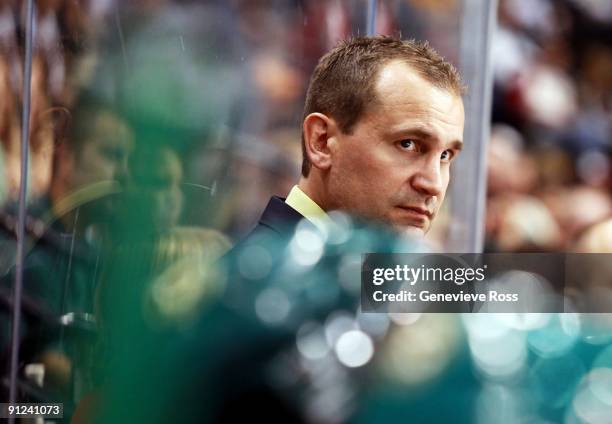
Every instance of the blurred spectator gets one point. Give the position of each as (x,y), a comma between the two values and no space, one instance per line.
(577,208)
(48,46)
(596,239)
(42,131)
(9,129)
(552,64)
(66,231)
(594,273)
(510,168)
(154,197)
(522,224)
(88,161)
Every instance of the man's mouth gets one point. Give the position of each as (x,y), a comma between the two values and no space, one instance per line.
(419,210)
(421,216)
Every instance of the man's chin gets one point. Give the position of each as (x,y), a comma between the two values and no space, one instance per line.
(411,231)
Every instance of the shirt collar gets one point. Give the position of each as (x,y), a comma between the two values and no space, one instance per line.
(308,208)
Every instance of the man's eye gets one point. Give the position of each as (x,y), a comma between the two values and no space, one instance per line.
(408,144)
(447,155)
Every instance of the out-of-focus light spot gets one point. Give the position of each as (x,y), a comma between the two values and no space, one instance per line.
(556,338)
(272,306)
(178,292)
(404,318)
(525,321)
(337,324)
(373,324)
(500,405)
(311,342)
(500,357)
(418,353)
(254,262)
(349,273)
(601,385)
(589,407)
(354,348)
(554,380)
(406,312)
(570,417)
(340,232)
(321,231)
(485,326)
(307,246)
(596,328)
(534,292)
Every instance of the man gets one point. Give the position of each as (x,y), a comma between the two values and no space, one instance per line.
(67,227)
(90,163)
(383,121)
(156,174)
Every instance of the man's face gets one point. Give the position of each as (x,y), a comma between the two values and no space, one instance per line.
(104,154)
(157,177)
(394,166)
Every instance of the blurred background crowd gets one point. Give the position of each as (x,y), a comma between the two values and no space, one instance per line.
(159,129)
(549,152)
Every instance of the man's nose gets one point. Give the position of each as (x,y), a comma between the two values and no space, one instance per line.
(428,178)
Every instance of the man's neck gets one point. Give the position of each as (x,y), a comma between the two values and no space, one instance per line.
(309,188)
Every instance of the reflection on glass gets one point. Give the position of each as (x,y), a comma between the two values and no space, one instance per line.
(159,131)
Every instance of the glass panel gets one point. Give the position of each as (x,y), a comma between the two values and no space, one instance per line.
(160,130)
(11,74)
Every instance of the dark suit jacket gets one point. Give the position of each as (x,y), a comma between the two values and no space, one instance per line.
(278,221)
(242,387)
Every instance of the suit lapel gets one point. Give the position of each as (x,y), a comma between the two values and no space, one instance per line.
(279,216)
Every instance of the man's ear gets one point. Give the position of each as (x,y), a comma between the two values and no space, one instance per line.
(319,131)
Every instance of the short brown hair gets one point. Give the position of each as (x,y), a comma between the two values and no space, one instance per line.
(344,79)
